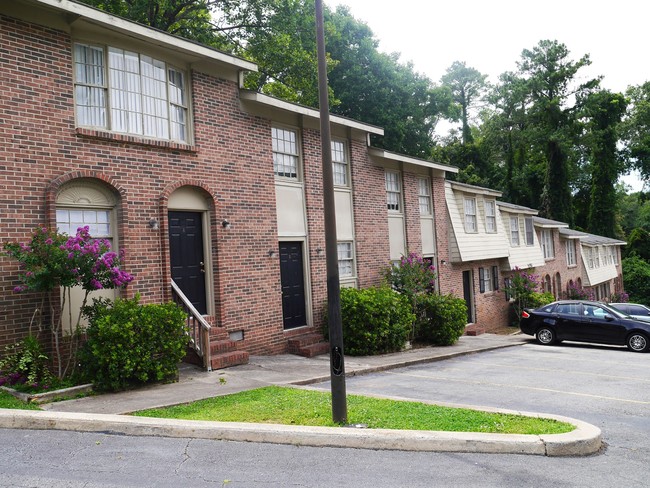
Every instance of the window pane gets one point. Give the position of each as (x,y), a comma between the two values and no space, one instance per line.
(285,152)
(339,163)
(424,196)
(393,192)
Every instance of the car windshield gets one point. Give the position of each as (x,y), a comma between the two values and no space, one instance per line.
(614,312)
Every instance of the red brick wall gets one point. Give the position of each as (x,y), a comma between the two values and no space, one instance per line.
(370,216)
(231,160)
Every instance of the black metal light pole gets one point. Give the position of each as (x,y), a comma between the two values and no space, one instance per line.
(337,362)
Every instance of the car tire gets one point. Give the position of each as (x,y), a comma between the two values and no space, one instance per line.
(546,336)
(638,342)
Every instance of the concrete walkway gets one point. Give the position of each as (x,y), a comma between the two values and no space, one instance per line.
(105,412)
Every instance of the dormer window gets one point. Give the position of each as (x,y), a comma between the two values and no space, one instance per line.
(470,215)
(490,217)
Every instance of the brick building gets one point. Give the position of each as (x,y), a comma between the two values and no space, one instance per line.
(151,141)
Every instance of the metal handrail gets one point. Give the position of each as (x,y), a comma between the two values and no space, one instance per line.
(197,327)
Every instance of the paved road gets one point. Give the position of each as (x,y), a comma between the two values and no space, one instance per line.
(604,386)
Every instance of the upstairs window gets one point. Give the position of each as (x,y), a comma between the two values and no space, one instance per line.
(514,231)
(340,163)
(127,92)
(530,231)
(490,217)
(470,215)
(285,152)
(424,196)
(393,192)
(570,253)
(547,244)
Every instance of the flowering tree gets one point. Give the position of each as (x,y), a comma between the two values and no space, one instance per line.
(576,292)
(52,260)
(413,276)
(522,289)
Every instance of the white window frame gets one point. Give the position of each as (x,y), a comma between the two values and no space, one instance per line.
(469,204)
(486,280)
(571,252)
(547,244)
(514,231)
(490,216)
(590,258)
(340,163)
(393,191)
(614,252)
(424,196)
(529,228)
(345,251)
(129,92)
(285,145)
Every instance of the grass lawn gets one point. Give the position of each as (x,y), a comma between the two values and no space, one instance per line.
(10,401)
(292,406)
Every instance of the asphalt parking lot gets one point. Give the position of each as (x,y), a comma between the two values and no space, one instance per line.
(606,386)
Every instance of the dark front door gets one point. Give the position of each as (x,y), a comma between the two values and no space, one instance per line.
(293,285)
(468,292)
(186,256)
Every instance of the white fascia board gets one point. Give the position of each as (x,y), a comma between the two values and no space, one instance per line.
(154,36)
(391,156)
(279,104)
(477,190)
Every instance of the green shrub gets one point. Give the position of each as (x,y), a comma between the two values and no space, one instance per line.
(25,363)
(441,319)
(375,320)
(129,343)
(540,299)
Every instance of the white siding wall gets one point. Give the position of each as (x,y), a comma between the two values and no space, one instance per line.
(473,246)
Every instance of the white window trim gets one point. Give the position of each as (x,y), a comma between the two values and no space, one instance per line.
(393,191)
(297,154)
(515,231)
(350,258)
(470,219)
(345,162)
(547,244)
(107,97)
(490,216)
(424,183)
(529,231)
(571,253)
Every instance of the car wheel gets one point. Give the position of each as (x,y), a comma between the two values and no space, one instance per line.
(638,342)
(546,336)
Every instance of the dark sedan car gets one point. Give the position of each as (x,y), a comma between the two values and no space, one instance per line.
(583,321)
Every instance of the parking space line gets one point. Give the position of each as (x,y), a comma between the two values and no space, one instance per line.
(521,387)
(584,373)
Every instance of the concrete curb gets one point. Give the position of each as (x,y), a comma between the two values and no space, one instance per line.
(585,440)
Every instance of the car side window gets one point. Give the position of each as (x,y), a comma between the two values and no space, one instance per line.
(595,311)
(568,308)
(637,310)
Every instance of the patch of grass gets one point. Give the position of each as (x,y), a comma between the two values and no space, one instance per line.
(10,401)
(292,406)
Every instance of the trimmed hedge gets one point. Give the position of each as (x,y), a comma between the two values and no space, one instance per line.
(441,319)
(375,320)
(130,344)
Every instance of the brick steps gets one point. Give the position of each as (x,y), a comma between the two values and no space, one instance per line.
(227,359)
(308,345)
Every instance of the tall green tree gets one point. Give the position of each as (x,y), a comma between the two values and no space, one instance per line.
(467,86)
(603,111)
(551,79)
(636,128)
(377,88)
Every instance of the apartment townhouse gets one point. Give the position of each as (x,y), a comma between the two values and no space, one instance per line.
(215,192)
(490,240)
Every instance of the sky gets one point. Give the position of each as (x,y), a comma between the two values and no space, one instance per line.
(490,35)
